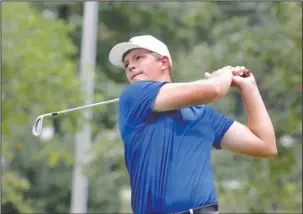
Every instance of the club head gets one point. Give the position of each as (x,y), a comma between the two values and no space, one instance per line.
(38,125)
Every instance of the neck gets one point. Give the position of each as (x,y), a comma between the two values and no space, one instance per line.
(165,77)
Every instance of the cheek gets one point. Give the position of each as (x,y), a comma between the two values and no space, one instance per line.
(127,74)
(148,67)
(155,69)
(144,67)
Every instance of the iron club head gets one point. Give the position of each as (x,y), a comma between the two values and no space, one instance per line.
(38,125)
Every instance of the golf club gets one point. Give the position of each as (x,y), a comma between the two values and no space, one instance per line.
(38,124)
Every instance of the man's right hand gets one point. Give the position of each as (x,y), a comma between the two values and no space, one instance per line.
(226,71)
(223,78)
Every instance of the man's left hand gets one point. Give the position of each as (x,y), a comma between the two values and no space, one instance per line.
(239,81)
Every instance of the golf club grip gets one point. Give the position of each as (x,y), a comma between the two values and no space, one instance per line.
(246,73)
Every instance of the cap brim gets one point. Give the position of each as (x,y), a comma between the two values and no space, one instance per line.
(117,52)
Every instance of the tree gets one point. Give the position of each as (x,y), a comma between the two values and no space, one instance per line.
(38,75)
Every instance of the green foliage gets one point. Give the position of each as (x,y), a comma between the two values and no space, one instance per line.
(106,170)
(40,55)
(41,48)
(38,77)
(13,191)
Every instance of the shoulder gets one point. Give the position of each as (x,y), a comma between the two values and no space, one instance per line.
(136,101)
(140,89)
(139,86)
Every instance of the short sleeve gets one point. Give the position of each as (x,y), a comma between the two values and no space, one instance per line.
(137,100)
(220,124)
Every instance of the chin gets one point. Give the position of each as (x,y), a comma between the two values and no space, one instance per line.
(139,79)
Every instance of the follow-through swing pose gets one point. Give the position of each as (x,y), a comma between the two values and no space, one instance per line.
(168,130)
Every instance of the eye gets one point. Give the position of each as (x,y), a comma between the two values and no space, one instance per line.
(138,57)
(125,65)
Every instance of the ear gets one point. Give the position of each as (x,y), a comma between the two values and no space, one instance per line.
(165,63)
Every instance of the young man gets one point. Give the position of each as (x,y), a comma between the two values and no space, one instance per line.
(168,130)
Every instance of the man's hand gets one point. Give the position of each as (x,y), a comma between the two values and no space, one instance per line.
(238,81)
(225,71)
(236,74)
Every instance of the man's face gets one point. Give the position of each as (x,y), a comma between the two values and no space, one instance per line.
(140,64)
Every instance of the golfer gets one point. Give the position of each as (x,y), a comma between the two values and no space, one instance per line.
(168,130)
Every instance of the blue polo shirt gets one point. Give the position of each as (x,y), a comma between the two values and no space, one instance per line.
(168,154)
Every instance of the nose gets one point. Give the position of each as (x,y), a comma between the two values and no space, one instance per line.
(131,67)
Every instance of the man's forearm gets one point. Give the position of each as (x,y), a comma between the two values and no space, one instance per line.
(173,96)
(259,121)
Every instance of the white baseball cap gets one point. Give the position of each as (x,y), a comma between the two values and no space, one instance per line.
(145,41)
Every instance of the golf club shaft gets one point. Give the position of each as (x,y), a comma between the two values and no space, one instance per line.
(245,74)
(82,107)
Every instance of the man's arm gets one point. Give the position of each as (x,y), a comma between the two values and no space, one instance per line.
(258,137)
(178,95)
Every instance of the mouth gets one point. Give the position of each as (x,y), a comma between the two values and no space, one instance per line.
(136,75)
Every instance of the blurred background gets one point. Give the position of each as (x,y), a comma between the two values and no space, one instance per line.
(41,45)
